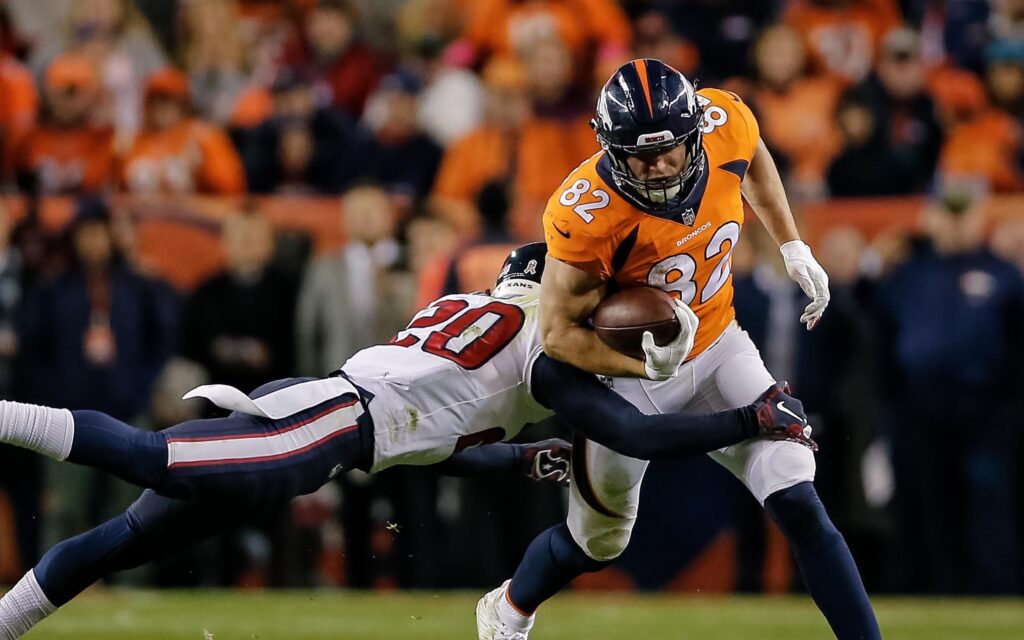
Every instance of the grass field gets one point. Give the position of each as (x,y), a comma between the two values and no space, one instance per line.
(301,615)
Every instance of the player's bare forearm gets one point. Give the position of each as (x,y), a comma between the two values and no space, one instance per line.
(763,190)
(568,297)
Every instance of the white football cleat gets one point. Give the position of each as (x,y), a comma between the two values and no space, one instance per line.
(497,620)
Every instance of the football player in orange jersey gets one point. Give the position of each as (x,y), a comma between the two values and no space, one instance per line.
(662,205)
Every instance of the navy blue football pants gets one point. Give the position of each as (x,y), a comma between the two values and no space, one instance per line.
(253,464)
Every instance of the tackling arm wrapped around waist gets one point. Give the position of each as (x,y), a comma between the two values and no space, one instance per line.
(601,415)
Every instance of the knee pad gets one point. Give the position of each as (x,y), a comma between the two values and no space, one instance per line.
(601,537)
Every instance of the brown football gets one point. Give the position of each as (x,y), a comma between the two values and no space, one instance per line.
(621,319)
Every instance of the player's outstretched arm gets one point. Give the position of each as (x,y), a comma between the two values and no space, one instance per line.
(601,415)
(568,296)
(762,187)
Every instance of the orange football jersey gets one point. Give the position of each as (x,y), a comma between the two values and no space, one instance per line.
(69,161)
(588,224)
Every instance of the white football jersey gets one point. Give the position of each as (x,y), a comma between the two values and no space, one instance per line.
(458,376)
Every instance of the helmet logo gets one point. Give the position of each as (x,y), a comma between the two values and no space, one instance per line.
(648,139)
(531,268)
(602,111)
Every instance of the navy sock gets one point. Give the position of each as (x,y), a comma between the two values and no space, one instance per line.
(552,560)
(825,562)
(74,564)
(138,456)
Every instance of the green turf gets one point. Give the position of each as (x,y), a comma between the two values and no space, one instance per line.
(301,615)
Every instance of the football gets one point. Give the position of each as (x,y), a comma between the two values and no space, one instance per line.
(621,319)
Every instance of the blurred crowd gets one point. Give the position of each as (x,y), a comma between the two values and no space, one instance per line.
(442,127)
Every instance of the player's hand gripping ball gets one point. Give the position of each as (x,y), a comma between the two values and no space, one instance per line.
(647,324)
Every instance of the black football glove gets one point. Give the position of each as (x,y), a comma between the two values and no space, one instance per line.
(548,461)
(780,416)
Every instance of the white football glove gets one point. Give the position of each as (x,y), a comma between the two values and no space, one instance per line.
(807,273)
(662,363)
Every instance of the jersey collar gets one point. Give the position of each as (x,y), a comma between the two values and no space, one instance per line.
(683,213)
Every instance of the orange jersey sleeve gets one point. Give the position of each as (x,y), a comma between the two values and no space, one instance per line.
(731,121)
(575,232)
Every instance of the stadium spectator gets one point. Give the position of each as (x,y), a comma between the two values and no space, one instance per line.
(902,109)
(987,141)
(406,158)
(217,58)
(1004,76)
(490,152)
(116,38)
(796,112)
(99,334)
(431,241)
(723,32)
(471,265)
(951,318)
(589,28)
(18,105)
(176,153)
(1007,241)
(20,477)
(1007,20)
(843,36)
(526,143)
(451,103)
(330,48)
(237,323)
(555,138)
(966,30)
(867,165)
(656,39)
(303,147)
(352,299)
(69,152)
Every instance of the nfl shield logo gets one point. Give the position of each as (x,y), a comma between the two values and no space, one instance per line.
(689,216)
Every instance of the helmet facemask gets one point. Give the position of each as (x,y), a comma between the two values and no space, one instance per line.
(658,194)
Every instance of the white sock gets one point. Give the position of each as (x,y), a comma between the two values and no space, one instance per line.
(511,616)
(42,429)
(23,607)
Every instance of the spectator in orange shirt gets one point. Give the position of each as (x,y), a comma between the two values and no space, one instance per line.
(510,27)
(555,138)
(176,153)
(988,145)
(18,105)
(116,37)
(796,112)
(843,36)
(487,153)
(68,152)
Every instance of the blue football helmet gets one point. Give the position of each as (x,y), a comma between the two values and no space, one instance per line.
(647,107)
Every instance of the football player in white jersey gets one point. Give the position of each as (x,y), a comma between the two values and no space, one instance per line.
(467,371)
